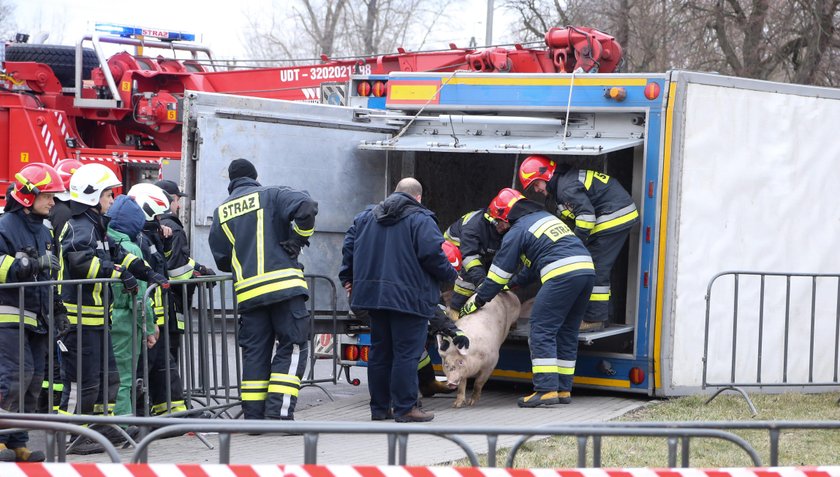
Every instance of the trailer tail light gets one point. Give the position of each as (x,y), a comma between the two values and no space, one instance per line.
(351,353)
(363,88)
(616,93)
(379,89)
(637,376)
(652,91)
(365,353)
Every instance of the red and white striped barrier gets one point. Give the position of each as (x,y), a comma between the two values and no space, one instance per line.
(218,470)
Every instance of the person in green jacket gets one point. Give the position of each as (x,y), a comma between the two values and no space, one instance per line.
(125,225)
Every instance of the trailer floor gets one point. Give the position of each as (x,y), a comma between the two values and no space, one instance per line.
(497,408)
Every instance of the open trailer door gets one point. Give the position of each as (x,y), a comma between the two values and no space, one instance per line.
(304,146)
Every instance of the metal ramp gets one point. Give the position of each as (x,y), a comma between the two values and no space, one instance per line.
(522,328)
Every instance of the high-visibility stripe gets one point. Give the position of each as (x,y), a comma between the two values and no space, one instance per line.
(424,362)
(162,408)
(463,291)
(237,268)
(272,287)
(605,222)
(536,225)
(298,230)
(283,389)
(566,371)
(585,221)
(98,408)
(93,270)
(57,387)
(11,314)
(549,368)
(498,275)
(456,241)
(253,395)
(471,261)
(260,242)
(128,260)
(183,272)
(267,277)
(285,378)
(466,217)
(565,367)
(566,265)
(601,293)
(254,384)
(5,265)
(91,315)
(587,178)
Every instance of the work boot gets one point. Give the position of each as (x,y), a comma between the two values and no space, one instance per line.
(6,454)
(22,454)
(415,415)
(430,388)
(85,446)
(565,397)
(382,417)
(539,399)
(588,326)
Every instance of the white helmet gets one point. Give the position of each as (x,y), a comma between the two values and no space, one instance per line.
(151,198)
(89,181)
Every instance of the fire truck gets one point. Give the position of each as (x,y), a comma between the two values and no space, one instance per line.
(127,110)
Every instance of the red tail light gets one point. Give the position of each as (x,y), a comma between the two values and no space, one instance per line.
(363,88)
(365,353)
(351,353)
(637,376)
(379,89)
(652,91)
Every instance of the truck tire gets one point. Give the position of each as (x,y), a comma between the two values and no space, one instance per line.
(61,58)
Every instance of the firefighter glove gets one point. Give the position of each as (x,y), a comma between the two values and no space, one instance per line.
(49,263)
(129,282)
(461,341)
(204,271)
(25,268)
(60,322)
(471,307)
(158,279)
(292,247)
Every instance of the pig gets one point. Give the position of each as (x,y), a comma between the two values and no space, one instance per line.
(487,328)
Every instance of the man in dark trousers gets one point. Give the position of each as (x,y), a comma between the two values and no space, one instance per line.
(257,233)
(549,249)
(393,266)
(603,214)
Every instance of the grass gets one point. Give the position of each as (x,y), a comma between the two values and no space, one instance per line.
(796,447)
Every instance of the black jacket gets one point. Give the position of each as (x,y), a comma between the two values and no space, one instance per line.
(479,242)
(246,236)
(392,256)
(596,202)
(23,234)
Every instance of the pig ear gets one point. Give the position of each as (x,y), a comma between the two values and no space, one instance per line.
(442,343)
(462,351)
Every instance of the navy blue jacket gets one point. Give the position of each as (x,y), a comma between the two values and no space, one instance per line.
(392,256)
(18,232)
(545,245)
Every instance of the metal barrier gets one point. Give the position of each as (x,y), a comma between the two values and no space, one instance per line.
(772,317)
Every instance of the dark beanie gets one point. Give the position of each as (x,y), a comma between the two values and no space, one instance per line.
(241,168)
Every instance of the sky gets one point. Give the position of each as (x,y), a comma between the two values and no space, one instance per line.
(220,24)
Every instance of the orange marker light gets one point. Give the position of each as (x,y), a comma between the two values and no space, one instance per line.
(616,93)
(379,89)
(363,88)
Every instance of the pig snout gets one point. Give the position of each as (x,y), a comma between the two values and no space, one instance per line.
(451,385)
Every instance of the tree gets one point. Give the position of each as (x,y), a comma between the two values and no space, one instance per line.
(7,21)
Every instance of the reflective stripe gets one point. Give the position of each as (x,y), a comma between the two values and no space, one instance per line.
(253,395)
(585,221)
(466,217)
(285,378)
(11,314)
(456,241)
(471,261)
(163,407)
(237,268)
(260,242)
(619,217)
(283,389)
(254,384)
(98,408)
(565,367)
(463,291)
(525,260)
(265,277)
(93,270)
(300,231)
(91,315)
(128,260)
(284,384)
(253,390)
(5,265)
(57,387)
(499,273)
(425,361)
(272,287)
(536,225)
(600,294)
(548,368)
(583,177)
(566,265)
(183,272)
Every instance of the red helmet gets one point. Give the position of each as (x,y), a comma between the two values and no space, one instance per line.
(500,205)
(66,168)
(535,167)
(453,254)
(33,180)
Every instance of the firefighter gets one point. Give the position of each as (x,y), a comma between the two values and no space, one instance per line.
(478,238)
(603,214)
(87,252)
(26,255)
(548,248)
(155,204)
(258,233)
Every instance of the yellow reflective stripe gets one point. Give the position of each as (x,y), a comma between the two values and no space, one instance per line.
(599,297)
(496,278)
(164,407)
(424,362)
(548,368)
(183,272)
(566,269)
(93,270)
(453,240)
(285,378)
(58,387)
(283,389)
(254,384)
(266,277)
(302,232)
(587,182)
(463,291)
(525,260)
(472,263)
(466,217)
(584,224)
(98,408)
(565,371)
(129,258)
(616,222)
(91,315)
(237,268)
(167,253)
(5,265)
(253,396)
(273,287)
(260,242)
(15,318)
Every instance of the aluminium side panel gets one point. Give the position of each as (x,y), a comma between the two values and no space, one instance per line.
(753,187)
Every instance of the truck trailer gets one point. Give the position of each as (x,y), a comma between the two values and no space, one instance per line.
(733,178)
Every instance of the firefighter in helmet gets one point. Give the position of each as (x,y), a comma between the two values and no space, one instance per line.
(603,214)
(548,248)
(258,233)
(477,237)
(26,255)
(88,252)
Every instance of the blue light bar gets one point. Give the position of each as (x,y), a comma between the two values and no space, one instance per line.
(126,31)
